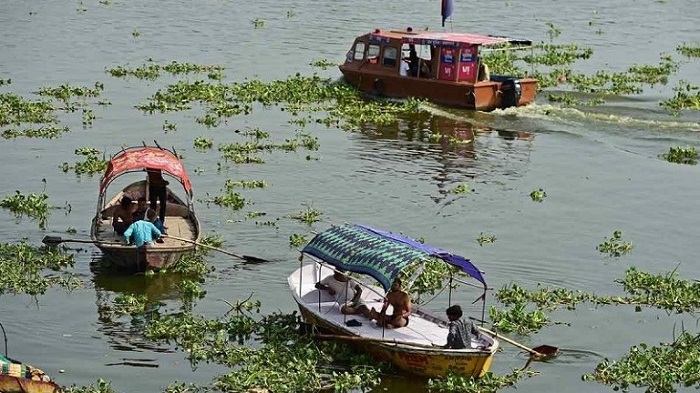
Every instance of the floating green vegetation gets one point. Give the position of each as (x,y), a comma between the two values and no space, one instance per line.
(431,279)
(23,267)
(615,246)
(229,198)
(95,162)
(255,214)
(151,70)
(171,127)
(518,319)
(246,184)
(33,206)
(689,50)
(681,155)
(257,23)
(136,33)
(323,64)
(460,189)
(342,105)
(16,110)
(128,304)
(483,238)
(658,369)
(5,82)
(49,132)
(686,96)
(203,143)
(66,92)
(488,383)
(193,264)
(662,291)
(544,297)
(297,239)
(538,195)
(212,240)
(553,31)
(101,386)
(282,360)
(308,215)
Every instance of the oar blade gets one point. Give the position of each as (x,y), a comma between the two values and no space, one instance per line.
(546,351)
(252,259)
(52,240)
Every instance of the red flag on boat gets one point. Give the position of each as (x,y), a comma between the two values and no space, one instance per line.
(447,7)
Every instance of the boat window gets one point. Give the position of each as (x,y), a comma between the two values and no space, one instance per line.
(419,59)
(373,53)
(359,50)
(389,59)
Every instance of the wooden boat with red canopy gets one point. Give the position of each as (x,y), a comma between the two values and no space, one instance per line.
(445,68)
(180,219)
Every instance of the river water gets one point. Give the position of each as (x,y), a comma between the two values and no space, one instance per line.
(599,167)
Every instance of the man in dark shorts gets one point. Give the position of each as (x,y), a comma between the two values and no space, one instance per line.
(400,301)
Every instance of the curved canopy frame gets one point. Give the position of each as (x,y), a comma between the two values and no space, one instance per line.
(145,157)
(379,254)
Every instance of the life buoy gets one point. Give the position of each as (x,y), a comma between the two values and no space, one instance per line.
(378,86)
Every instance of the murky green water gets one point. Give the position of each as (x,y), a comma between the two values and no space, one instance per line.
(599,167)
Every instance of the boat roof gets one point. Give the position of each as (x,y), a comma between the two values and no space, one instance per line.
(140,158)
(379,254)
(446,39)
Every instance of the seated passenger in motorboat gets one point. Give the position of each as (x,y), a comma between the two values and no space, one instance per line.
(337,285)
(401,304)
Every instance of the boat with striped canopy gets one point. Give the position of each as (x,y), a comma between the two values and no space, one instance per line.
(383,256)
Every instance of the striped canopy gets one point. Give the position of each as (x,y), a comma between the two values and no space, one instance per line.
(379,254)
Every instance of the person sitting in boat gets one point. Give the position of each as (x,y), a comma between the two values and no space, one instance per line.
(153,218)
(337,285)
(400,301)
(122,215)
(142,232)
(460,331)
(484,73)
(142,210)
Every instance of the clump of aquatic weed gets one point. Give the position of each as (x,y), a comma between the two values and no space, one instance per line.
(308,215)
(681,155)
(659,369)
(31,270)
(91,165)
(282,361)
(538,195)
(488,383)
(615,246)
(32,205)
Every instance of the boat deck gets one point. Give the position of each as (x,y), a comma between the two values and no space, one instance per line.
(422,328)
(176,226)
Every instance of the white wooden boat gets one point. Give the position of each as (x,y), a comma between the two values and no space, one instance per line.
(416,348)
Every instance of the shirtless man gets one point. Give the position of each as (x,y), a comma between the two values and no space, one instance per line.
(122,215)
(401,304)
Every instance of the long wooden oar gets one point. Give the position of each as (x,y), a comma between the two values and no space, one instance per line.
(248,258)
(56,240)
(543,351)
(374,340)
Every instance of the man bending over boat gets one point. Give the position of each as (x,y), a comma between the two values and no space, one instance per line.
(400,301)
(337,285)
(460,331)
(143,232)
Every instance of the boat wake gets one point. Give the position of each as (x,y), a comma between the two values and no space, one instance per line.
(567,115)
